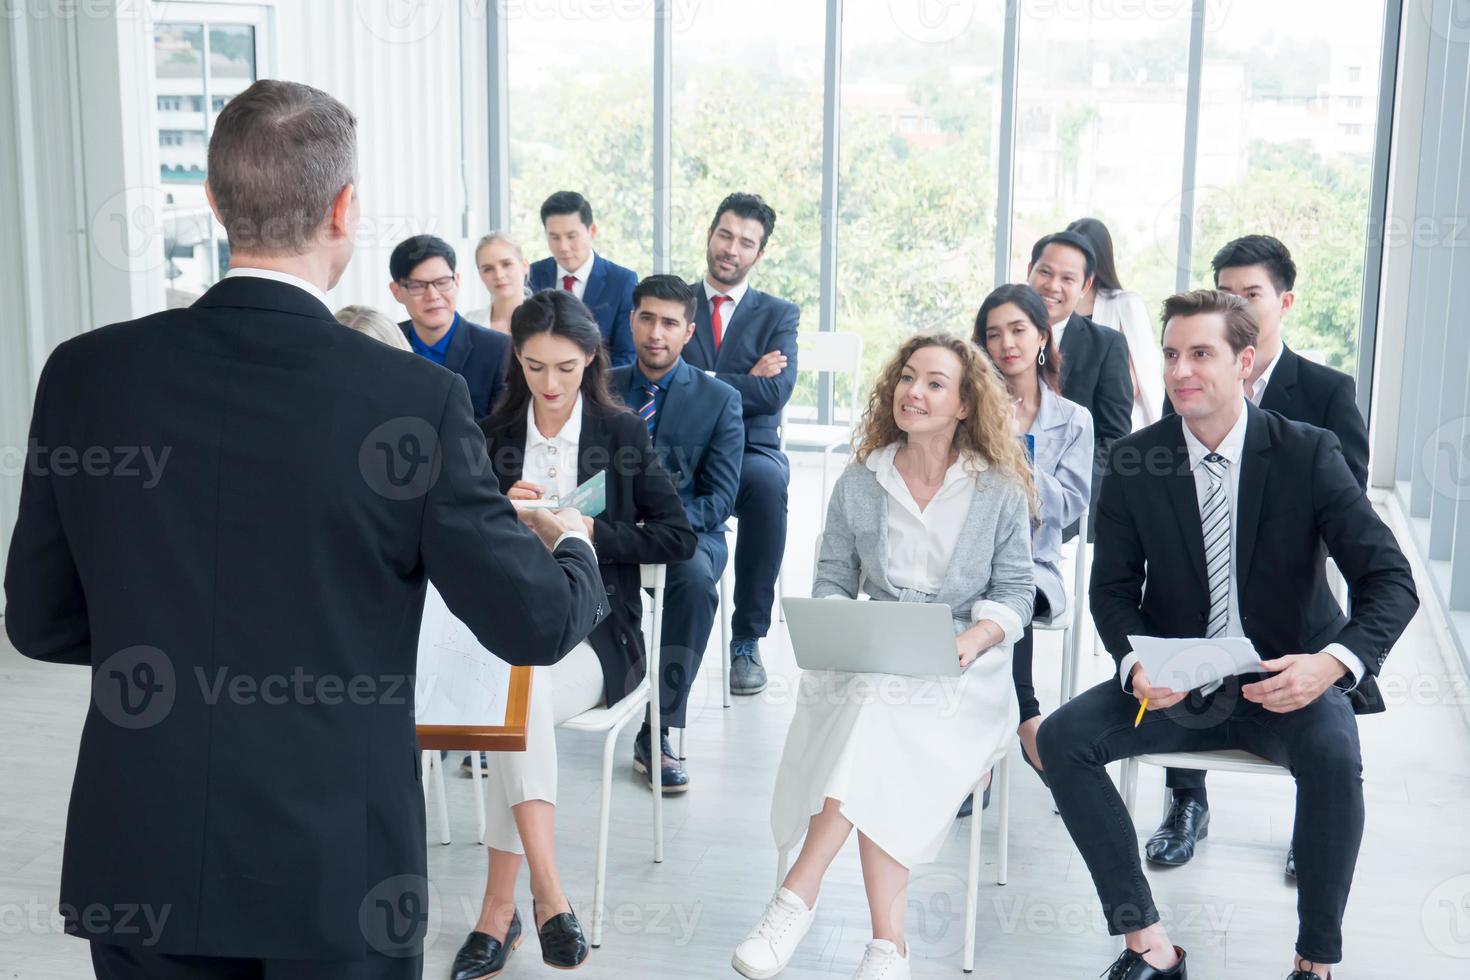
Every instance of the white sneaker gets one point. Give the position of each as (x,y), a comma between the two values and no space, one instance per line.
(771,944)
(882,962)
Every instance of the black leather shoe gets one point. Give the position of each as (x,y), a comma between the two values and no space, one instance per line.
(675,776)
(1304,975)
(967,808)
(1291,862)
(482,955)
(1131,966)
(1187,823)
(562,943)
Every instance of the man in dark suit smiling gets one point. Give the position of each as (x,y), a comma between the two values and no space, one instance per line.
(1218,524)
(747,339)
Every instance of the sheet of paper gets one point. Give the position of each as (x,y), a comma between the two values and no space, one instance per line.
(1187,664)
(459,682)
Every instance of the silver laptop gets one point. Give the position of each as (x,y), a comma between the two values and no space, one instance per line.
(915,639)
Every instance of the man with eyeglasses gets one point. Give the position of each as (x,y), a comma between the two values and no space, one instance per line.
(425,282)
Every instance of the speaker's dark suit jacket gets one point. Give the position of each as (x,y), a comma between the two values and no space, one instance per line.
(251,615)
(479,355)
(1095,376)
(643,524)
(609,295)
(760,324)
(699,439)
(1298,503)
(1305,391)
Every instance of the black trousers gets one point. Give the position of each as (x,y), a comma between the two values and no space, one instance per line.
(139,963)
(1318,744)
(691,598)
(760,540)
(1021,663)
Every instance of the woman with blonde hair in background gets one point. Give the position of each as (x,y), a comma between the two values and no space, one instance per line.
(503,269)
(365,319)
(936,507)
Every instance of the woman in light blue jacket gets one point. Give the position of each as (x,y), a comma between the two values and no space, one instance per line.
(1012,328)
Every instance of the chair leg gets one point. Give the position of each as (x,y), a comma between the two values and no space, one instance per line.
(604,821)
(1067,655)
(1128,777)
(1071,638)
(972,883)
(1003,815)
(479,792)
(438,765)
(725,614)
(682,755)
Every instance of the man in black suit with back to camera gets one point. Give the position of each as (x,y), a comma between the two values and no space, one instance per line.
(747,339)
(1218,524)
(1259,269)
(1094,359)
(427,284)
(248,776)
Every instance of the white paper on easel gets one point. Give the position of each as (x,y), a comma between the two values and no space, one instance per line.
(1187,664)
(459,681)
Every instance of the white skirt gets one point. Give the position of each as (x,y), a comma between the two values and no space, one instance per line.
(898,753)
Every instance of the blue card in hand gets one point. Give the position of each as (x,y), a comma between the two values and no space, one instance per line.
(590,498)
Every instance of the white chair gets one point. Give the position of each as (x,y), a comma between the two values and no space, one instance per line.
(1072,619)
(609,721)
(832,353)
(1226,760)
(1002,851)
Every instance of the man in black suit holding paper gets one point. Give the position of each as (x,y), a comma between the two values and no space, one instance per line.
(1218,524)
(248,775)
(1094,359)
(747,339)
(1259,269)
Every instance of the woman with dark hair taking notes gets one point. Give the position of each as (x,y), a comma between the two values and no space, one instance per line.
(935,508)
(1012,329)
(1108,304)
(555,426)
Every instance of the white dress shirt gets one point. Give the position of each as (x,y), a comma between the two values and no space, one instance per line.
(551,463)
(285,277)
(1232,447)
(727,310)
(1057,329)
(921,542)
(1258,389)
(579,287)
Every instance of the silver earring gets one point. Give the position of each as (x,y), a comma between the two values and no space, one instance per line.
(1041,358)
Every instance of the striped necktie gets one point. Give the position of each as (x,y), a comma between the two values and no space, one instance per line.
(1215,521)
(649,412)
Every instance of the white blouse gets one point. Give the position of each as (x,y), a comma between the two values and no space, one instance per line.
(921,542)
(552,463)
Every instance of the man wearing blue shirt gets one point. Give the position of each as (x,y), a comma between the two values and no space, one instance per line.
(425,282)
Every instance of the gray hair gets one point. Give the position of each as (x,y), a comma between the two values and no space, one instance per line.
(366,320)
(280,153)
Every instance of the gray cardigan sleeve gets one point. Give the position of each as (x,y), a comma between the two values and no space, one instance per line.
(1008,598)
(838,567)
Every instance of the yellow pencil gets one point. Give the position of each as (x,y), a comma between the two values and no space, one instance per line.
(1142,707)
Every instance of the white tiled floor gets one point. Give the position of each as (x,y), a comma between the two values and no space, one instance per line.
(1409,916)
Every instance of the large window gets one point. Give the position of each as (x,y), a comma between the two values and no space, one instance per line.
(581,119)
(1289,100)
(1102,92)
(204,60)
(916,235)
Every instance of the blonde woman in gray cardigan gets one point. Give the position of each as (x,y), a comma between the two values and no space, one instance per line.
(936,507)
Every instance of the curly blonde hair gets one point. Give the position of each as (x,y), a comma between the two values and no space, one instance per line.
(985,434)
